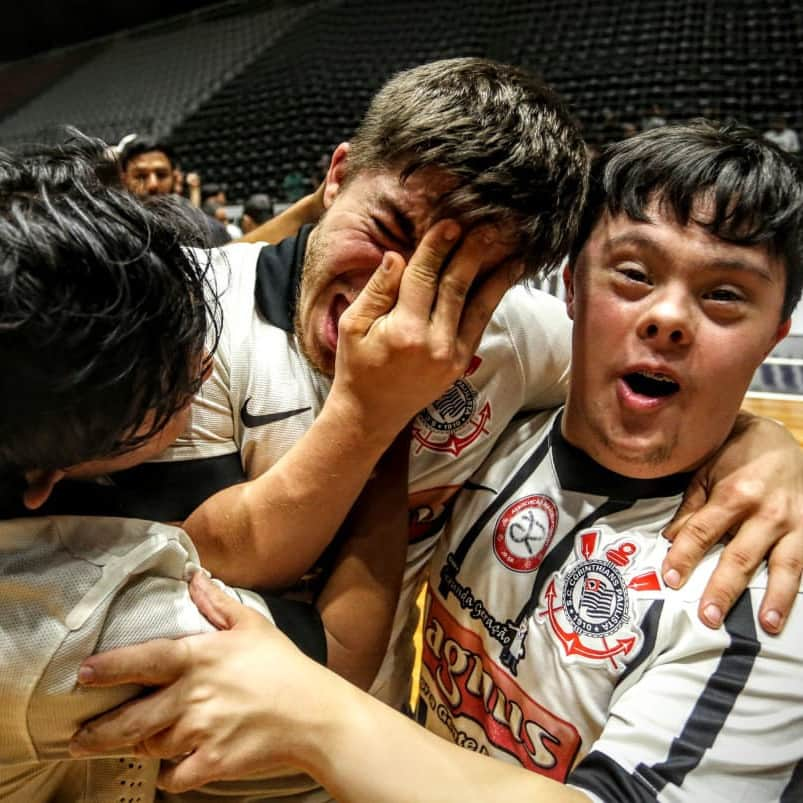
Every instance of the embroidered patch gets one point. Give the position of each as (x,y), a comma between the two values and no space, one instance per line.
(454,421)
(587,605)
(524,532)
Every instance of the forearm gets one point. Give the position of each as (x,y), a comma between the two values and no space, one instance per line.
(267,532)
(383,755)
(287,223)
(358,603)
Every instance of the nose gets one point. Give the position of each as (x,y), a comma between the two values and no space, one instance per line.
(668,320)
(152,184)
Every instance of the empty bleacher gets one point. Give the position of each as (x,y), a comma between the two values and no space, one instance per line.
(260,89)
(148,82)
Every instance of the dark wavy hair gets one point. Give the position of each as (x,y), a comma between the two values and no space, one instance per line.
(103,314)
(756,188)
(507,138)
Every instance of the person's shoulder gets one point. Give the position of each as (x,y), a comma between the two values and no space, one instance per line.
(69,564)
(526,307)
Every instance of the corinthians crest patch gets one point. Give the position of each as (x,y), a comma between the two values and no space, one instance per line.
(587,605)
(455,420)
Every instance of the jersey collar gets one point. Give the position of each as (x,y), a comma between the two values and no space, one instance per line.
(279,269)
(578,472)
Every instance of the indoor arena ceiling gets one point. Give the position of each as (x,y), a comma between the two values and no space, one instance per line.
(31,28)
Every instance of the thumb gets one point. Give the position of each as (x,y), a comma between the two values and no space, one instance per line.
(221,609)
(378,296)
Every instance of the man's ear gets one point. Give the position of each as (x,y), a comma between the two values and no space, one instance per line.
(781,332)
(336,174)
(568,283)
(40,486)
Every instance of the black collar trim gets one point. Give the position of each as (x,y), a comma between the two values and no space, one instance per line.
(578,472)
(279,269)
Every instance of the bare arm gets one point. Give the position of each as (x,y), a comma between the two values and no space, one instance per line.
(411,332)
(267,705)
(359,600)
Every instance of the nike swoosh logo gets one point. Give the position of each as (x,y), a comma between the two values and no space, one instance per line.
(252,421)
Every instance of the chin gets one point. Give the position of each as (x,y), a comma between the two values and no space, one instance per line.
(641,458)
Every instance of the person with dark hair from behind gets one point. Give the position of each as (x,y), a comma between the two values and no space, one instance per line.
(557,666)
(213,192)
(257,209)
(106,324)
(216,215)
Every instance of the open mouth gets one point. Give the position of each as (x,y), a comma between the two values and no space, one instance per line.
(653,385)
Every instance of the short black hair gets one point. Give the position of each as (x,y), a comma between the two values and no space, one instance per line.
(259,207)
(103,313)
(140,145)
(208,190)
(755,187)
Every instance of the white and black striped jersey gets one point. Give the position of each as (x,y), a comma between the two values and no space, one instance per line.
(263,395)
(550,640)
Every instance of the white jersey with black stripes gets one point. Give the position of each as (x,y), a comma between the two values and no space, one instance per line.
(263,395)
(550,640)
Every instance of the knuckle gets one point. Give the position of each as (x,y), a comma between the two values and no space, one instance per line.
(773,510)
(791,564)
(748,490)
(347,325)
(695,539)
(738,559)
(456,286)
(424,269)
(213,761)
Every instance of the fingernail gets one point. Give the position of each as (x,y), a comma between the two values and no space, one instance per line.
(450,231)
(672,578)
(773,619)
(713,614)
(86,674)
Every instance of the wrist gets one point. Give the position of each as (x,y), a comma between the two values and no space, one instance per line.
(363,424)
(340,720)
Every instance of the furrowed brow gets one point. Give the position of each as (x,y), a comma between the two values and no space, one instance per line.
(402,221)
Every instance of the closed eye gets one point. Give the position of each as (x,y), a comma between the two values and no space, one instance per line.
(394,239)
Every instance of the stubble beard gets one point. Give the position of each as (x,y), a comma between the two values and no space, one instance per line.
(310,274)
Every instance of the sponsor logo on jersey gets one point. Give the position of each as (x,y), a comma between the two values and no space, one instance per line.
(482,707)
(524,532)
(251,420)
(455,420)
(503,632)
(586,605)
